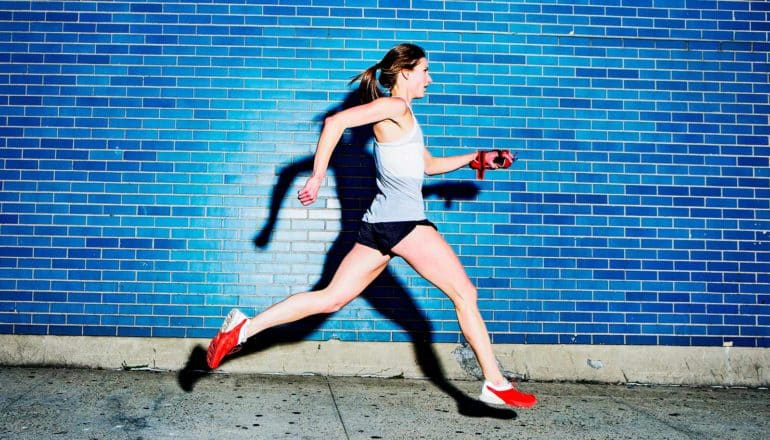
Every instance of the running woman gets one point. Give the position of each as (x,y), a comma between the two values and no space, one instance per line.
(395,224)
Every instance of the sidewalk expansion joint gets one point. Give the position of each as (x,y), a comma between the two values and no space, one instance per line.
(337,409)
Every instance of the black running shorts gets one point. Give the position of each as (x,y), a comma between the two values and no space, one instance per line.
(385,236)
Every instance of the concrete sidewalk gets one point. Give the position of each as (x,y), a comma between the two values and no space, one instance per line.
(45,403)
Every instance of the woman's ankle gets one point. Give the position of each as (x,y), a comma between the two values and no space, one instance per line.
(245,334)
(497,381)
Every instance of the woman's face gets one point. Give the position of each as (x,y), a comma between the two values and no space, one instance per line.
(419,78)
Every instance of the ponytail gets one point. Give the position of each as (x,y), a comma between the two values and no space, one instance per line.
(368,90)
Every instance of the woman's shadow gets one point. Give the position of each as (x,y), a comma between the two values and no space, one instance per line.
(354,173)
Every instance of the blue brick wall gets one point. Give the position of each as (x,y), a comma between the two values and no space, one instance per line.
(146,145)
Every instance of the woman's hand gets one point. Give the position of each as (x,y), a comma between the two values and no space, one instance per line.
(492,160)
(504,159)
(309,193)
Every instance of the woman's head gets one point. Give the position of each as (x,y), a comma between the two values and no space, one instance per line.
(404,57)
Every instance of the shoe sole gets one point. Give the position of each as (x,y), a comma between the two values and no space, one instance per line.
(231,320)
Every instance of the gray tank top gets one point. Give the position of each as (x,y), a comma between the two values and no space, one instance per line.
(400,173)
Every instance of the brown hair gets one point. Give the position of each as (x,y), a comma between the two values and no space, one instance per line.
(404,56)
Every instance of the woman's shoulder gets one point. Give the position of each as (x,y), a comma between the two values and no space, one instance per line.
(397,120)
(393,106)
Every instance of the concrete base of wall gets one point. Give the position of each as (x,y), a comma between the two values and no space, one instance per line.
(728,366)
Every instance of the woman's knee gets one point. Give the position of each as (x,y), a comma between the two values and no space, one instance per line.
(331,303)
(466,297)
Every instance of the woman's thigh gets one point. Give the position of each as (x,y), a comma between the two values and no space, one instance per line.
(432,257)
(357,270)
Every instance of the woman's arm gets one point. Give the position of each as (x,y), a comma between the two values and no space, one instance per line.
(375,111)
(480,161)
(439,165)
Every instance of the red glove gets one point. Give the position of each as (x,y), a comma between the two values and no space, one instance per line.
(491,160)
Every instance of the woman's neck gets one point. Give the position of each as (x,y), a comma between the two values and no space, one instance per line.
(396,92)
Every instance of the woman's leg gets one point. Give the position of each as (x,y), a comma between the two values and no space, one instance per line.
(356,271)
(430,255)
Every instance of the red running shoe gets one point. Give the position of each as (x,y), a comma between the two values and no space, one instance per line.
(506,395)
(226,341)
